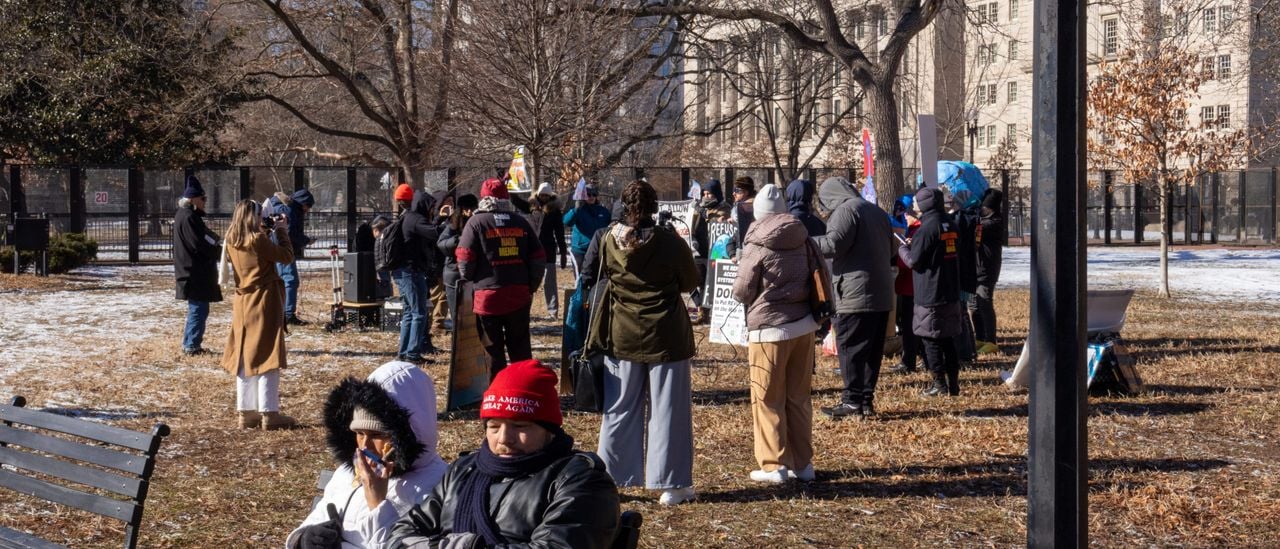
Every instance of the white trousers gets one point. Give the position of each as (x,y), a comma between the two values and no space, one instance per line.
(258,393)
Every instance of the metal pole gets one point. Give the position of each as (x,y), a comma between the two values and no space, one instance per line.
(75,191)
(135,214)
(352,219)
(299,178)
(1186,214)
(246,184)
(1217,186)
(1004,188)
(1137,212)
(1108,204)
(1057,496)
(1271,227)
(1242,228)
(685,184)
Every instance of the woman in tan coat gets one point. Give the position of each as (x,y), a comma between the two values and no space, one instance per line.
(255,347)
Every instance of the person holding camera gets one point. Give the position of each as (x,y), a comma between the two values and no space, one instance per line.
(255,351)
(293,209)
(381,433)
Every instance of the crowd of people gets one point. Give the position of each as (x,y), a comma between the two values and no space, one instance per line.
(935,259)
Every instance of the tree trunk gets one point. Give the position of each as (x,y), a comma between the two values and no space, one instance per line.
(1165,233)
(882,116)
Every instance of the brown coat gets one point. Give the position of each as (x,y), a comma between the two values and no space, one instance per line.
(257,306)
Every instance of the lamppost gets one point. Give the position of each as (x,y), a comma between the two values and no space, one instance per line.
(973,132)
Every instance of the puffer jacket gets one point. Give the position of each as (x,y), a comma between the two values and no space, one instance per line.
(403,397)
(571,503)
(861,242)
(932,258)
(420,233)
(774,272)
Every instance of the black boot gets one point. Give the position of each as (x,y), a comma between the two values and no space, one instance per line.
(938,387)
(953,383)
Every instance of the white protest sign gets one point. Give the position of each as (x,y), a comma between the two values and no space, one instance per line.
(728,317)
(682,214)
(929,150)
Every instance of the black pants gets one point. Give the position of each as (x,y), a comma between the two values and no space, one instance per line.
(964,342)
(941,359)
(910,343)
(860,345)
(984,313)
(505,337)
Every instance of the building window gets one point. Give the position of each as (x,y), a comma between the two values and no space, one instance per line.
(1013,92)
(1224,67)
(1210,18)
(836,110)
(1206,117)
(813,119)
(884,24)
(1013,9)
(1013,50)
(835,77)
(991,94)
(991,135)
(1110,36)
(1011,133)
(1225,17)
(982,94)
(993,11)
(987,53)
(1224,117)
(1207,65)
(860,30)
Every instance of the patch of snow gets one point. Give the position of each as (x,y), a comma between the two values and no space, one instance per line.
(1206,274)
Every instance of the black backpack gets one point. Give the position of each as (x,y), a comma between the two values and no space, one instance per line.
(390,251)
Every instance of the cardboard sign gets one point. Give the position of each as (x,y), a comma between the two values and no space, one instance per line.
(929,150)
(682,214)
(728,317)
(468,363)
(719,233)
(517,176)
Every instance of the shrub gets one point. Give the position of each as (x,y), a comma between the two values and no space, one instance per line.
(67,251)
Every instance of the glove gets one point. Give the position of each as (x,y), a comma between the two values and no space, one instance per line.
(326,535)
(461,540)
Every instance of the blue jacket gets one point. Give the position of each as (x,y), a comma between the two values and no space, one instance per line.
(585,220)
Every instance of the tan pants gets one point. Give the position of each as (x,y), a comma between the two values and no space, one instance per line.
(439,307)
(781,409)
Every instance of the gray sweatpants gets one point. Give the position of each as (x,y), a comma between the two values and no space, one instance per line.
(668,460)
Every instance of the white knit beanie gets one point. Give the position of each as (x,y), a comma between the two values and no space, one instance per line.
(769,200)
(362,420)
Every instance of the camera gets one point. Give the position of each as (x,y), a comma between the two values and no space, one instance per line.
(665,220)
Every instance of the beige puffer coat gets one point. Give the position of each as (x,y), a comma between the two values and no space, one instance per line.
(774,272)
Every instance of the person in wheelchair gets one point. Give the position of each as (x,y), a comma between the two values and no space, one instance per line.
(525,485)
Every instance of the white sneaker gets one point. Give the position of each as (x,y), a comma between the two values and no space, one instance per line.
(778,476)
(804,475)
(676,496)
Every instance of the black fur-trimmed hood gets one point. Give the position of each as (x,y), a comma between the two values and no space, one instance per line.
(402,397)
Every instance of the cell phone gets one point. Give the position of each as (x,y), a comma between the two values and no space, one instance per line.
(374,458)
(900,239)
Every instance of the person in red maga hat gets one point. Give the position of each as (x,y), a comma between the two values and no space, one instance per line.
(525,483)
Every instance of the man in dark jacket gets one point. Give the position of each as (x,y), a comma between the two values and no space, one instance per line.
(800,205)
(409,272)
(932,257)
(587,217)
(712,208)
(859,240)
(969,231)
(990,247)
(499,252)
(526,485)
(295,207)
(444,201)
(420,235)
(195,264)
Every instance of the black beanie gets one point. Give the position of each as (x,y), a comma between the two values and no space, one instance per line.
(929,199)
(993,200)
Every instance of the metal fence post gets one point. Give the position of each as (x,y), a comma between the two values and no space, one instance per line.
(135,214)
(17,199)
(727,186)
(1004,188)
(1186,214)
(684,183)
(812,175)
(352,218)
(1138,214)
(1107,203)
(299,178)
(246,184)
(1242,228)
(1271,227)
(75,190)
(1216,187)
(451,176)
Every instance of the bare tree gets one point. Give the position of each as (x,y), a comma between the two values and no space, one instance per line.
(874,64)
(372,71)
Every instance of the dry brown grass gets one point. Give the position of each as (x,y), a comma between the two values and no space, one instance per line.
(1191,462)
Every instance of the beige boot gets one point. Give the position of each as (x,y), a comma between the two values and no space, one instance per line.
(250,419)
(276,420)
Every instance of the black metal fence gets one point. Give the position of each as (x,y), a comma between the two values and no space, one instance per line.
(129,211)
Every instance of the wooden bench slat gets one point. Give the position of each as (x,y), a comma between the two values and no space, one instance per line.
(124,511)
(77,427)
(97,455)
(13,538)
(125,486)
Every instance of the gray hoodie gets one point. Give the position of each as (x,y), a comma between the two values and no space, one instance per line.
(861,244)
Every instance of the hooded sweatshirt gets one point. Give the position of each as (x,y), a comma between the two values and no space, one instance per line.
(402,396)
(859,239)
(799,198)
(420,233)
(499,251)
(298,220)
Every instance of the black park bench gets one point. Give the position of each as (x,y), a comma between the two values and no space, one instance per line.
(56,468)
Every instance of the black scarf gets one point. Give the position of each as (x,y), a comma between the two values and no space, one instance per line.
(472,513)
